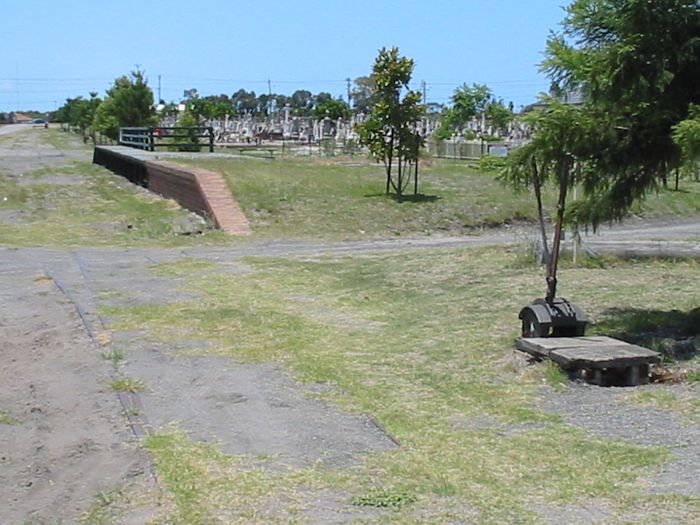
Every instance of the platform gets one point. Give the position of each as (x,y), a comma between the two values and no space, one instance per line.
(598,360)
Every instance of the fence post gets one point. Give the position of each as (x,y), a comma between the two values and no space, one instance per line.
(151,140)
(211,139)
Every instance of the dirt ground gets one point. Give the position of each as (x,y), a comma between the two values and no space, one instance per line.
(66,439)
(69,438)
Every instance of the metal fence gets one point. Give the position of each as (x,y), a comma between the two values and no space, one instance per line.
(467,150)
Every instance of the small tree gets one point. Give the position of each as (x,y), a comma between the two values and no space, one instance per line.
(564,137)
(79,113)
(129,102)
(390,131)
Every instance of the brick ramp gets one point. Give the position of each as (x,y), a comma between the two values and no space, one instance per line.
(199,190)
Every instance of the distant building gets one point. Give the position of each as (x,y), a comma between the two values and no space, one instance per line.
(20,118)
(573,97)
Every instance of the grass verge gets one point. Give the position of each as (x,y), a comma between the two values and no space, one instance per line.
(423,342)
(333,198)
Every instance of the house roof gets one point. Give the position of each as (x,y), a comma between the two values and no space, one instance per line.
(20,117)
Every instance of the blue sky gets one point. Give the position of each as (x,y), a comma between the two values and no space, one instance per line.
(59,49)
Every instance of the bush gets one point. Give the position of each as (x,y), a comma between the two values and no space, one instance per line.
(490,163)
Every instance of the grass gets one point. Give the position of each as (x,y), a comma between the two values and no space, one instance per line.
(340,198)
(394,499)
(115,357)
(422,341)
(328,198)
(102,209)
(100,511)
(325,198)
(667,202)
(205,486)
(685,404)
(127,384)
(64,140)
(80,204)
(7,419)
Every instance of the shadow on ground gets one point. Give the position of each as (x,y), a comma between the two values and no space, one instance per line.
(418,197)
(674,333)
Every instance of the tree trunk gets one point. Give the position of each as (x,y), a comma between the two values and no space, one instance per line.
(540,213)
(553,262)
(399,186)
(415,177)
(388,164)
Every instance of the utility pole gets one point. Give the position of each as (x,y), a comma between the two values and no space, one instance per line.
(269,100)
(159,96)
(425,94)
(348,82)
(17,84)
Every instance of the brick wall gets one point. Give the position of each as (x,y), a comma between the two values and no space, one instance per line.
(201,191)
(177,183)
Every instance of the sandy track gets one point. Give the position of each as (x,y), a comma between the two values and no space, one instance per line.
(70,440)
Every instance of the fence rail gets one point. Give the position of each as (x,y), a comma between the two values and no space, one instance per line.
(191,138)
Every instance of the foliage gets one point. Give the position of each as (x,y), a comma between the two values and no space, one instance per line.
(129,102)
(334,109)
(78,112)
(563,136)
(301,102)
(686,135)
(390,131)
(474,102)
(491,163)
(189,119)
(211,107)
(245,102)
(362,94)
(636,63)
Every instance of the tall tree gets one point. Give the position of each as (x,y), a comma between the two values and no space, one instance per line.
(129,102)
(244,101)
(391,130)
(79,112)
(302,102)
(475,102)
(637,64)
(333,109)
(362,94)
